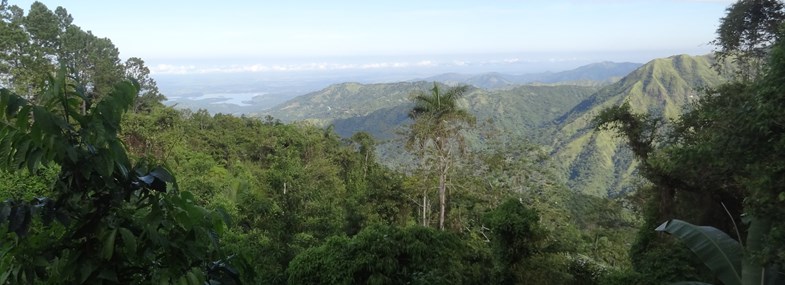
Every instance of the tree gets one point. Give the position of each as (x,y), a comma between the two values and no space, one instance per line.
(34,45)
(23,64)
(43,26)
(149,95)
(437,123)
(93,62)
(366,146)
(515,237)
(747,32)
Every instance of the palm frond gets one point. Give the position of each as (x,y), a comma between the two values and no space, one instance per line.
(455,93)
(442,106)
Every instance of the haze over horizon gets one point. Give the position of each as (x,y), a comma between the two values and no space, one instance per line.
(198,37)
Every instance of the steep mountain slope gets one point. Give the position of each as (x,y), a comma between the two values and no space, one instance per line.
(591,74)
(524,111)
(596,162)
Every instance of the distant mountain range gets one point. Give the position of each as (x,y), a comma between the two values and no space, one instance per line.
(557,114)
(381,109)
(355,100)
(251,94)
(593,74)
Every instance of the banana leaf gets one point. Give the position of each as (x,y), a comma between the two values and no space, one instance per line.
(721,253)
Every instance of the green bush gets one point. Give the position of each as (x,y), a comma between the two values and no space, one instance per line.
(381,254)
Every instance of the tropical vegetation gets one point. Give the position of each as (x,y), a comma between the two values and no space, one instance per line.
(537,184)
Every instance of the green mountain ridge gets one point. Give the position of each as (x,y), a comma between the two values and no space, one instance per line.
(598,162)
(345,100)
(382,108)
(354,100)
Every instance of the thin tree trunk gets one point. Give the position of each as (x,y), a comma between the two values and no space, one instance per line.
(442,198)
(424,206)
(365,166)
(443,160)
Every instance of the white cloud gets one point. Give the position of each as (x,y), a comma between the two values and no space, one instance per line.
(316,66)
(709,1)
(173,69)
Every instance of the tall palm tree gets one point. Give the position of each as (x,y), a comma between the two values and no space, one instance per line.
(437,122)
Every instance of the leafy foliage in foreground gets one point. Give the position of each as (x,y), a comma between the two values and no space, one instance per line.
(107,221)
(719,251)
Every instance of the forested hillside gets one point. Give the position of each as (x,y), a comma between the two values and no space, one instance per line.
(520,112)
(381,109)
(345,100)
(597,162)
(102,184)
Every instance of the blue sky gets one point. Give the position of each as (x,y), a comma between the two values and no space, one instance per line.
(265,35)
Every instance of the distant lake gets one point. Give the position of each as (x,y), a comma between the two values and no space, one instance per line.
(240,99)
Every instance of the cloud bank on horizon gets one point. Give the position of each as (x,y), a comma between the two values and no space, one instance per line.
(327,66)
(465,64)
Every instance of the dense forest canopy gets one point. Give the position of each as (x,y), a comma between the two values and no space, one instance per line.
(103,184)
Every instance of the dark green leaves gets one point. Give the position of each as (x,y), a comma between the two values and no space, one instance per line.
(11,102)
(129,240)
(19,219)
(108,248)
(5,210)
(18,216)
(157,179)
(123,222)
(747,32)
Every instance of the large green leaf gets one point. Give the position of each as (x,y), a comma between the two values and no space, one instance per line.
(85,270)
(129,240)
(108,249)
(721,253)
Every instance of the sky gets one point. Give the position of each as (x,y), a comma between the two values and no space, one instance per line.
(266,36)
